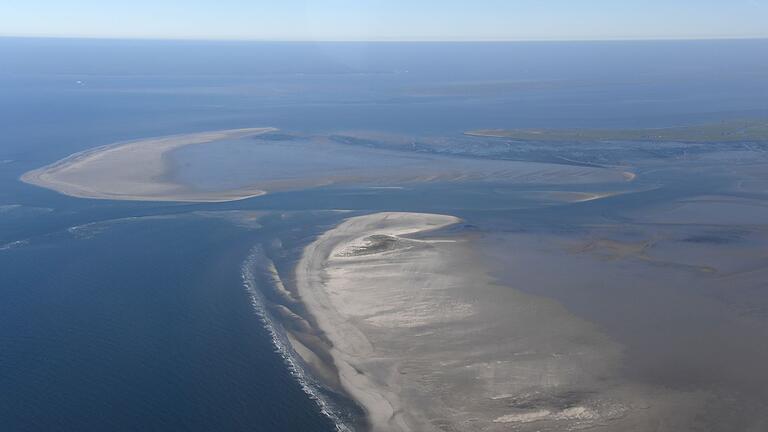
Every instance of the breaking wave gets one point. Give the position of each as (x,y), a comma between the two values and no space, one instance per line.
(14,245)
(282,346)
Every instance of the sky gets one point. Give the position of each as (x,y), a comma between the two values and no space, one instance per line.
(384,20)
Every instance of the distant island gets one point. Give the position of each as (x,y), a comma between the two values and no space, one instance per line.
(134,170)
(250,162)
(725,131)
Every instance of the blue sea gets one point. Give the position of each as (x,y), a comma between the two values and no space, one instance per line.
(138,316)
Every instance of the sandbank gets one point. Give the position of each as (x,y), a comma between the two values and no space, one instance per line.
(135,170)
(424,340)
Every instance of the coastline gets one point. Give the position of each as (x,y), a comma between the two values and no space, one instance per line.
(383,408)
(727,131)
(423,339)
(296,357)
(134,170)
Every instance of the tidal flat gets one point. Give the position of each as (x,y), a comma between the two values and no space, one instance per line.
(611,311)
(533,296)
(585,280)
(134,171)
(236,164)
(738,131)
(424,339)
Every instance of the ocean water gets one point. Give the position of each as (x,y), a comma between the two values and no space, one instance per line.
(140,316)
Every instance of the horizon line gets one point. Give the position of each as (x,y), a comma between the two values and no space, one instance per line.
(489,40)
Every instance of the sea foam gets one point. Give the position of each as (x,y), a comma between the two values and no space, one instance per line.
(296,367)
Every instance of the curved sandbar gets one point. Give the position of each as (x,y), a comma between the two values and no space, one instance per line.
(425,340)
(135,170)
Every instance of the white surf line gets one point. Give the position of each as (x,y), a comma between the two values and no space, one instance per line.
(283,347)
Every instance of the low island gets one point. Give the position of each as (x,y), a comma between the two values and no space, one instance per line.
(135,170)
(721,132)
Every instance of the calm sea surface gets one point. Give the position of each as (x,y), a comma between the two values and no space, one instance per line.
(133,316)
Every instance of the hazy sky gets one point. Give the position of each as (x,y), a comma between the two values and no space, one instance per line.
(386,19)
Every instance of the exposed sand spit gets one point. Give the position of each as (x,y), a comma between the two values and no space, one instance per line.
(135,170)
(232,168)
(424,340)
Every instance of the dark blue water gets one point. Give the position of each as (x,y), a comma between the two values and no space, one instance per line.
(144,324)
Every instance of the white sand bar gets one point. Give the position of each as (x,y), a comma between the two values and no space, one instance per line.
(135,170)
(424,340)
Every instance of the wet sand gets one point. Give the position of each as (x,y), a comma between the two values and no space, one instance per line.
(743,130)
(135,170)
(424,340)
(230,168)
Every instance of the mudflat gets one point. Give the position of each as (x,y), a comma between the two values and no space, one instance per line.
(424,340)
(739,131)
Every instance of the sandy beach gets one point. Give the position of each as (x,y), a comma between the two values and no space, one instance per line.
(423,340)
(231,168)
(135,170)
(350,344)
